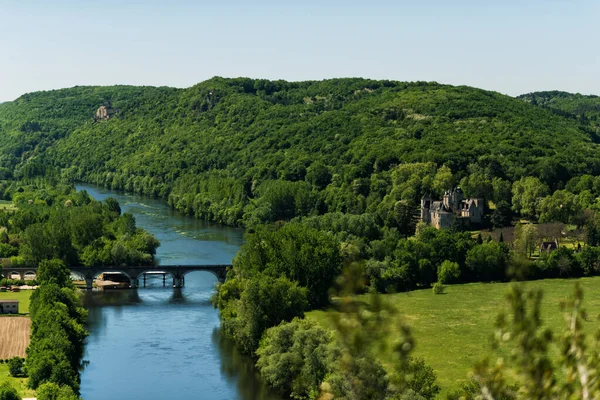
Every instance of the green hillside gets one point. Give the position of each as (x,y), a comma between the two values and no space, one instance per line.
(584,109)
(243,151)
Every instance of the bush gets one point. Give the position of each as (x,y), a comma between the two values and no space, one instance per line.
(15,366)
(438,288)
(422,378)
(51,391)
(7,392)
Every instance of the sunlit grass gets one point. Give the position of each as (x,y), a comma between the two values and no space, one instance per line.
(18,383)
(452,330)
(22,296)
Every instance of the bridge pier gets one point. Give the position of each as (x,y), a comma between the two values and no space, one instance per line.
(177,282)
(164,280)
(89,283)
(144,280)
(134,283)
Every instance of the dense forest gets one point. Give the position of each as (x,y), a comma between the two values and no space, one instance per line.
(585,109)
(244,152)
(56,222)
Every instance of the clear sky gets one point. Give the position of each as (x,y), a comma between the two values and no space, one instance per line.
(511,46)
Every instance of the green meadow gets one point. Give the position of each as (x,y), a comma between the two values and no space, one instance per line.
(18,383)
(452,330)
(22,296)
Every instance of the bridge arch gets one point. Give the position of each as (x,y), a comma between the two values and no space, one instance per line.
(12,273)
(29,273)
(157,271)
(220,276)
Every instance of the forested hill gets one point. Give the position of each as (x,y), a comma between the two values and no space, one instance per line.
(585,109)
(250,151)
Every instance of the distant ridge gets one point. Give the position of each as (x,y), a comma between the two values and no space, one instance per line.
(221,148)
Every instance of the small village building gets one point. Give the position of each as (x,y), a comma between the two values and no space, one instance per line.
(9,306)
(441,214)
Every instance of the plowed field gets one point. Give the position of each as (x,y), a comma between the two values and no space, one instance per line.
(14,336)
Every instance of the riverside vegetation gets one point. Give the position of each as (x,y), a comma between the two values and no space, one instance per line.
(328,176)
(52,227)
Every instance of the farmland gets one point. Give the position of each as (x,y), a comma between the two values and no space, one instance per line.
(14,336)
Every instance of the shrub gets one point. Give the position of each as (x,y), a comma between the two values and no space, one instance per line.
(7,392)
(15,366)
(438,288)
(52,391)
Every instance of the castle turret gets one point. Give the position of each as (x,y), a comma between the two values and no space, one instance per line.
(425,206)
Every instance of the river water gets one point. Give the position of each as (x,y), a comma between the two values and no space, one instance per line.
(157,343)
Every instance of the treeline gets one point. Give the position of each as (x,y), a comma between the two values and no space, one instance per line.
(57,340)
(57,334)
(56,222)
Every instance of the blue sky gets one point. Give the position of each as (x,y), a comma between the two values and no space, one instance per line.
(509,46)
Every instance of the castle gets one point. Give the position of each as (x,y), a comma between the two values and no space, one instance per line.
(441,214)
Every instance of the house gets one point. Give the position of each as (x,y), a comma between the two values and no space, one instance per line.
(441,214)
(548,247)
(9,306)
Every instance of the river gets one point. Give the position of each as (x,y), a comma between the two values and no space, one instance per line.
(157,343)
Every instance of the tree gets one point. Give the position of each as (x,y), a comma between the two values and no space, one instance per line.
(562,206)
(264,302)
(448,272)
(300,253)
(422,379)
(502,215)
(295,357)
(443,180)
(15,366)
(113,205)
(487,262)
(526,239)
(53,271)
(52,391)
(502,191)
(527,193)
(7,392)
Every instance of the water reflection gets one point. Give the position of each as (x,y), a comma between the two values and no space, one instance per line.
(240,370)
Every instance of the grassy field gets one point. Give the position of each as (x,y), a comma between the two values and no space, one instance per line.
(452,330)
(14,336)
(18,383)
(22,296)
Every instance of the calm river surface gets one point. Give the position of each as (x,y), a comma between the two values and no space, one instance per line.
(157,342)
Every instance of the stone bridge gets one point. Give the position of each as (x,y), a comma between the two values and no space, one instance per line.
(132,272)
